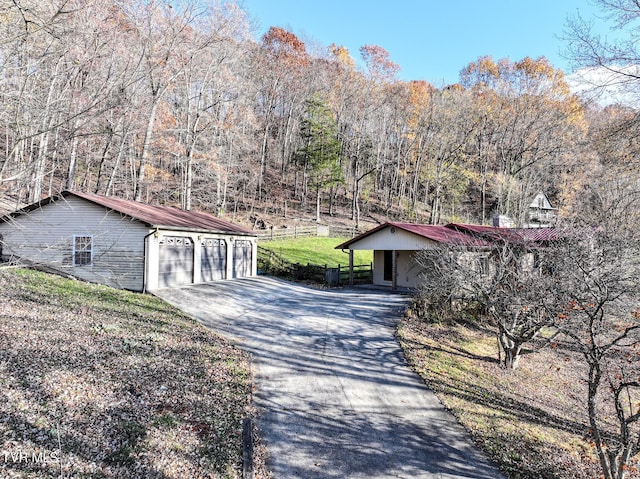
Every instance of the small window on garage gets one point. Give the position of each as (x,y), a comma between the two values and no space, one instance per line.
(82,250)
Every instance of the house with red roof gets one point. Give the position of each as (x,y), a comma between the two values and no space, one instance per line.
(395,246)
(126,244)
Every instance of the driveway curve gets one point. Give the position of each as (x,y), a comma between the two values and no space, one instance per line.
(336,396)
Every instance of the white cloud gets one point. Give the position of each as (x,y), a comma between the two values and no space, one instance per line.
(607,86)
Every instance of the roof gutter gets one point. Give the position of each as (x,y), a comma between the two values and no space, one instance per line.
(146,259)
(202,230)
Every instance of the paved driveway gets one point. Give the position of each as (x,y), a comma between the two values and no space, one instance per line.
(337,399)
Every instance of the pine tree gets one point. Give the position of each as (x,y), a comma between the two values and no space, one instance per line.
(319,158)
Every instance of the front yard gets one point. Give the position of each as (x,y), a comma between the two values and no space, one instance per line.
(531,421)
(97,382)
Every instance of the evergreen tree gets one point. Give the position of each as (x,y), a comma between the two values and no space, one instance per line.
(319,157)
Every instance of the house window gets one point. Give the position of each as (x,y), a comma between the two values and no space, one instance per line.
(82,250)
(481,265)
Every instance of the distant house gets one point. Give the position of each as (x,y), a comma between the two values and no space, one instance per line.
(126,244)
(395,246)
(540,213)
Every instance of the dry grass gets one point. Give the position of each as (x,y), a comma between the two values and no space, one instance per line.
(96,382)
(531,421)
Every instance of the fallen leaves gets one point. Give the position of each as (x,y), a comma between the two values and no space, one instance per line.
(115,383)
(532,421)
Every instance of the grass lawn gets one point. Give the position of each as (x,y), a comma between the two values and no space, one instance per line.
(316,250)
(98,382)
(531,421)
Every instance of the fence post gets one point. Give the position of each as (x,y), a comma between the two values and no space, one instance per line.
(247,449)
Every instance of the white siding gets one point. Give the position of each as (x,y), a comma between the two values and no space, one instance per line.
(378,269)
(541,201)
(408,269)
(406,245)
(45,236)
(400,240)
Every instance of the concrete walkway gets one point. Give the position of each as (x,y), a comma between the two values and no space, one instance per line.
(337,399)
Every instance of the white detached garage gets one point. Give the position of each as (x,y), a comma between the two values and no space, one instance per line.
(127,244)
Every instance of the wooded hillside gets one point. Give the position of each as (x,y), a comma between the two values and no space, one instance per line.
(177,103)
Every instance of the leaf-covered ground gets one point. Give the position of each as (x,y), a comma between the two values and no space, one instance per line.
(531,421)
(102,383)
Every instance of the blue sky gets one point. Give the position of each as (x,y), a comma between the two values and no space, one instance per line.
(430,40)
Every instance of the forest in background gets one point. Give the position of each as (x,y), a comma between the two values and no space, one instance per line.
(176,103)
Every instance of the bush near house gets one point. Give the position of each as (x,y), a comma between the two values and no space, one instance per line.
(98,382)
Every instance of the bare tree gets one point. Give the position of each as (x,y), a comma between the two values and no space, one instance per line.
(598,282)
(587,48)
(501,279)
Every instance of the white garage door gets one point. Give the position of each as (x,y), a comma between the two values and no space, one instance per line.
(214,260)
(242,259)
(176,261)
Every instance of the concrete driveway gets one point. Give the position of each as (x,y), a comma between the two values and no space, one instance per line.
(336,396)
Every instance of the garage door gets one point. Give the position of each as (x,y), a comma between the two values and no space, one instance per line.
(214,260)
(176,261)
(242,258)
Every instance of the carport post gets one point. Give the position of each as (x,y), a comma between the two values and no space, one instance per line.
(394,270)
(350,267)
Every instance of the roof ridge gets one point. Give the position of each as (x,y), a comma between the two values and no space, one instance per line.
(160,216)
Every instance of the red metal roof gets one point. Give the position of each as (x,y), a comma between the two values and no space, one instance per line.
(512,234)
(542,234)
(441,234)
(457,234)
(487,232)
(155,216)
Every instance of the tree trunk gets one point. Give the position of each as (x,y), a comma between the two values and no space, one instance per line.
(39,173)
(263,161)
(73,159)
(512,358)
(189,180)
(594,382)
(318,204)
(146,146)
(511,350)
(332,198)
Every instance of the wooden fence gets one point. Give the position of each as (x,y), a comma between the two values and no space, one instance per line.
(273,264)
(302,231)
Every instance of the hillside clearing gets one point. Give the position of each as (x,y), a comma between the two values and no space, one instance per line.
(97,382)
(316,250)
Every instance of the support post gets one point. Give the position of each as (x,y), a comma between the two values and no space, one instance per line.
(394,270)
(350,267)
